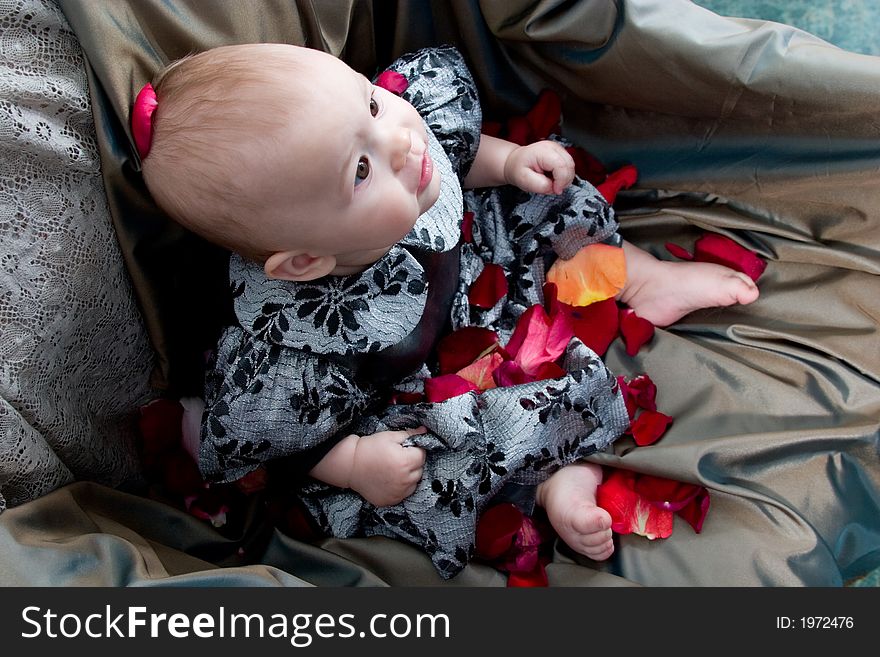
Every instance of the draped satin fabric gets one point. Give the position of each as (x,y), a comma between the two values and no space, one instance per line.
(754,130)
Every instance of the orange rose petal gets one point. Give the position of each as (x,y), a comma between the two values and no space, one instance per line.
(595,273)
(480,371)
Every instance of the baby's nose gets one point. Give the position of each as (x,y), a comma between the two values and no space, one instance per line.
(401,144)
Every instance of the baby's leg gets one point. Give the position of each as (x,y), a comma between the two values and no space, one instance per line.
(663,292)
(569,498)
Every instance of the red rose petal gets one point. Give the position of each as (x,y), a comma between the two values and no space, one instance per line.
(624,178)
(587,166)
(546,371)
(180,473)
(596,325)
(496,529)
(491,128)
(635,330)
(462,347)
(392,81)
(489,287)
(679,251)
(630,513)
(649,426)
(545,115)
(617,496)
(519,131)
(539,339)
(467,228)
(628,399)
(644,392)
(536,577)
(666,493)
(160,426)
(722,250)
(695,512)
(441,388)
(509,373)
(406,398)
(253,482)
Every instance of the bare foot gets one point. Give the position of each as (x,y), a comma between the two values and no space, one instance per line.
(663,292)
(569,497)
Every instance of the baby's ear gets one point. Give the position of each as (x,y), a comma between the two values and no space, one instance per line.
(297,266)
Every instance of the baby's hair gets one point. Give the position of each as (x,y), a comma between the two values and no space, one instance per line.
(210,105)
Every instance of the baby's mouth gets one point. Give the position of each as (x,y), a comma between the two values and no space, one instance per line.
(427,172)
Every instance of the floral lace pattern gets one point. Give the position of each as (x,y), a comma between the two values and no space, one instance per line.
(74,356)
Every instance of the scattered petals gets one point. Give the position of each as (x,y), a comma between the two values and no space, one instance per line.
(630,513)
(649,426)
(160,427)
(596,325)
(635,330)
(721,250)
(208,505)
(695,512)
(180,474)
(644,392)
(480,371)
(544,117)
(679,251)
(496,529)
(253,482)
(462,347)
(509,373)
(595,273)
(513,543)
(587,166)
(624,178)
(467,228)
(518,130)
(490,286)
(491,128)
(628,399)
(446,386)
(406,398)
(539,338)
(392,81)
(666,493)
(534,578)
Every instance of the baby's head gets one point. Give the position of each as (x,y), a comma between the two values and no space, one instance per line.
(289,157)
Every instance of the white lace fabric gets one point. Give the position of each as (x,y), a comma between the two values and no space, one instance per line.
(74,355)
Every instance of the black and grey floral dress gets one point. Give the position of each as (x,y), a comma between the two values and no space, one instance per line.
(309,363)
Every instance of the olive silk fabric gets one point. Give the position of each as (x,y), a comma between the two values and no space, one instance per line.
(750,129)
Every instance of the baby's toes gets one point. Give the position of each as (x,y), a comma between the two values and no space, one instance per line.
(600,552)
(591,520)
(743,288)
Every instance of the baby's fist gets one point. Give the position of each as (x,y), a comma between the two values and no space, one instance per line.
(544,167)
(385,472)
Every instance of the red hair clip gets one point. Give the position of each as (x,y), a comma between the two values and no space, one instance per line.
(142,119)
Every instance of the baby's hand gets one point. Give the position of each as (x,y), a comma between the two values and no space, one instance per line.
(384,472)
(544,167)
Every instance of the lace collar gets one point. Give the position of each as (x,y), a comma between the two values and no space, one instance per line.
(363,312)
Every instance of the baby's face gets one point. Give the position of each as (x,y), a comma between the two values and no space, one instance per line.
(355,171)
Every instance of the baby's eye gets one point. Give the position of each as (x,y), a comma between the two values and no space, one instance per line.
(374,107)
(362,171)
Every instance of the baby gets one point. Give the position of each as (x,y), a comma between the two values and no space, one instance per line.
(342,205)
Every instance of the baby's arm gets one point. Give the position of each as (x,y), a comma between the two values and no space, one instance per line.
(543,167)
(377,467)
